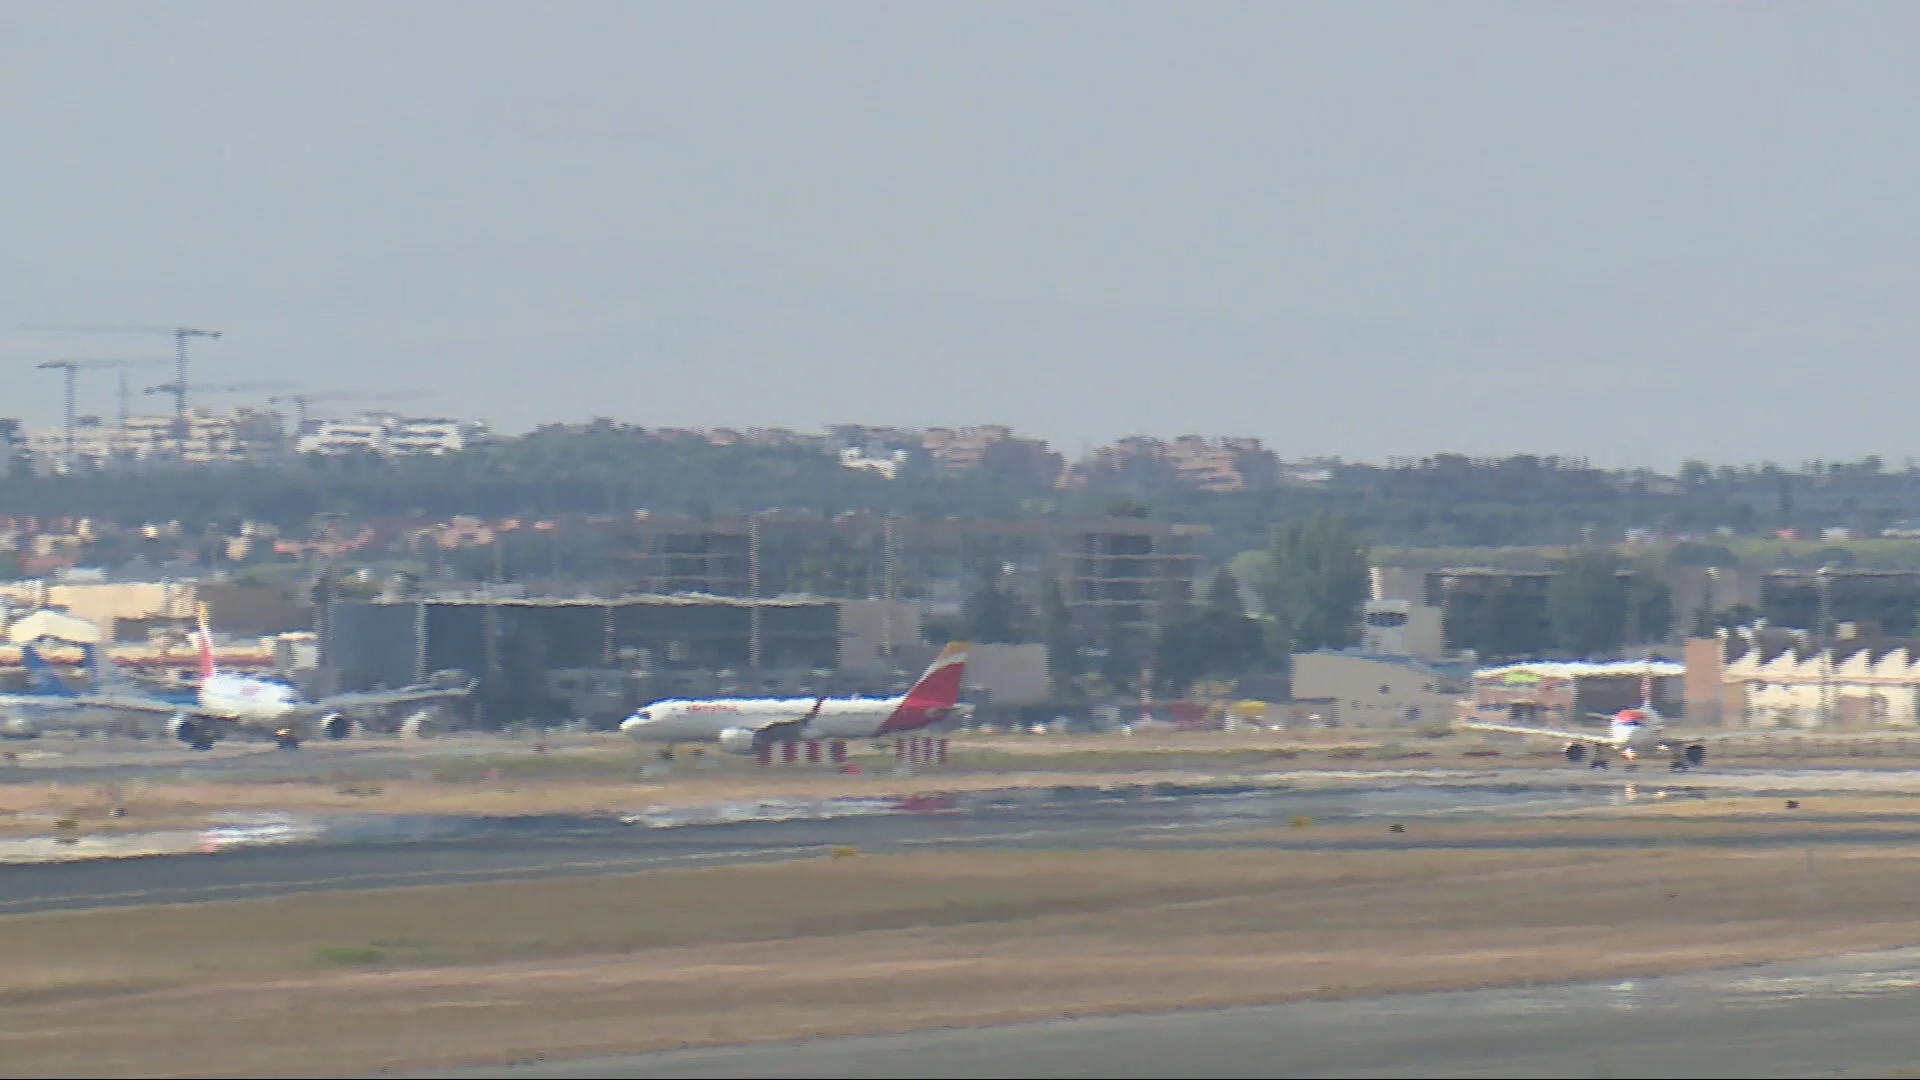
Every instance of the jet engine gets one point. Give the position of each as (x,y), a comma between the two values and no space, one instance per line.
(1576,752)
(336,727)
(190,731)
(739,740)
(1696,754)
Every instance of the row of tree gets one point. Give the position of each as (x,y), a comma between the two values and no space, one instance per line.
(1310,585)
(608,468)
(1592,606)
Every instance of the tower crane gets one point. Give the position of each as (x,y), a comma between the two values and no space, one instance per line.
(301,402)
(178,386)
(73,369)
(222,388)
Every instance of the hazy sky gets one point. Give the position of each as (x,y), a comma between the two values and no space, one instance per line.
(1634,231)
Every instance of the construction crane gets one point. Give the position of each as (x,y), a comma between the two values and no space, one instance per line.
(73,369)
(301,402)
(180,334)
(222,388)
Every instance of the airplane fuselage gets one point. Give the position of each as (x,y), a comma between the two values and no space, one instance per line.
(255,701)
(1635,740)
(834,718)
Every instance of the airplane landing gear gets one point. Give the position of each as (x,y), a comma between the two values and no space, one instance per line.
(1598,762)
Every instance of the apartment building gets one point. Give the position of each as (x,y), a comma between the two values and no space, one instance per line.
(1192,462)
(390,435)
(242,435)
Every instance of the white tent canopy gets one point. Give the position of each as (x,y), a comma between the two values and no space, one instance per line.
(54,624)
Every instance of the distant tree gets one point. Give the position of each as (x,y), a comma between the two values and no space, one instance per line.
(1498,625)
(1702,622)
(1217,639)
(1128,649)
(992,615)
(1223,595)
(1651,603)
(1695,553)
(1587,603)
(940,629)
(1063,646)
(1319,581)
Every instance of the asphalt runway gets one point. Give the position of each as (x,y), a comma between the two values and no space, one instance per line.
(373,851)
(1845,1016)
(378,852)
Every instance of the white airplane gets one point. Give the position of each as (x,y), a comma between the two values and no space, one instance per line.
(744,725)
(227,701)
(1631,733)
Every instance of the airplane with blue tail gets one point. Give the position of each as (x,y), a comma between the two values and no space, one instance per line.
(47,698)
(50,702)
(227,703)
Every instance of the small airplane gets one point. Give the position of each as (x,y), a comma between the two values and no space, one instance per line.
(1631,733)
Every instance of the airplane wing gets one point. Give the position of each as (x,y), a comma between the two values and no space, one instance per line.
(382,699)
(1562,734)
(137,703)
(791,727)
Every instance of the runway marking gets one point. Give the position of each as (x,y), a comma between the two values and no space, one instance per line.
(206,891)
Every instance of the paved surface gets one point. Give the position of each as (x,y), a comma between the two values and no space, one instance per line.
(1849,1016)
(376,852)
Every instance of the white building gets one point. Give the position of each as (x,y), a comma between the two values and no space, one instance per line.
(1851,686)
(1403,628)
(1361,690)
(252,436)
(391,436)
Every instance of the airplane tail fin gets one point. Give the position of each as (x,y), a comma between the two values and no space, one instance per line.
(933,697)
(40,674)
(939,685)
(205,642)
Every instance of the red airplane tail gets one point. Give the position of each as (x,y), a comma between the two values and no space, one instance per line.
(934,696)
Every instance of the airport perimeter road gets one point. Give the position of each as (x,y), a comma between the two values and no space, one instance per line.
(1842,1017)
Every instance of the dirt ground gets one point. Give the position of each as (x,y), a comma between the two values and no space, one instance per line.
(345,982)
